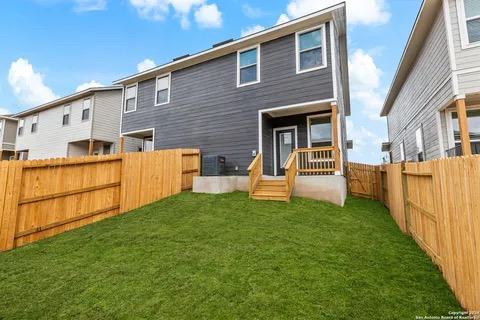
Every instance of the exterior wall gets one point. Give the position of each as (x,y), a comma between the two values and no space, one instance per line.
(465,58)
(9,134)
(52,138)
(426,90)
(208,111)
(106,119)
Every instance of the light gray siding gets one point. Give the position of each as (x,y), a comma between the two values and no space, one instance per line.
(426,90)
(209,112)
(106,117)
(52,138)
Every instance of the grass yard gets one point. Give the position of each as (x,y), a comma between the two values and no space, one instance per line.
(197,256)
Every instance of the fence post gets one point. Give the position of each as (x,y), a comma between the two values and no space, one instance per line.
(405,197)
(382,187)
(12,196)
(349,189)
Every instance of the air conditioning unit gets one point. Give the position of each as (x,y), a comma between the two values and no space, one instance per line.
(213,166)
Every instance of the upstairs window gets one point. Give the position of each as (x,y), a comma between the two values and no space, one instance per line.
(131,98)
(34,123)
(472,17)
(248,67)
(86,110)
(66,115)
(311,53)
(402,151)
(162,90)
(21,124)
(1,127)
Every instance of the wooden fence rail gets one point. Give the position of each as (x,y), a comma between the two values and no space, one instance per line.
(42,198)
(438,204)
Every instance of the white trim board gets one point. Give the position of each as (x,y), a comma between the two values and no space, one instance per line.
(275,130)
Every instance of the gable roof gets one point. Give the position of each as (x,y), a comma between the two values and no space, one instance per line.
(418,35)
(336,13)
(65,100)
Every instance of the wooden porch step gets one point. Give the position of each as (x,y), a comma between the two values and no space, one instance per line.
(270,193)
(272,183)
(269,198)
(271,188)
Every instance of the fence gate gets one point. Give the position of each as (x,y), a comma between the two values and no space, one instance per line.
(363,180)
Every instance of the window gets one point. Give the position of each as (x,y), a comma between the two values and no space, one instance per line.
(86,110)
(472,18)
(107,148)
(402,151)
(473,120)
(34,123)
(162,90)
(320,133)
(1,127)
(311,53)
(248,67)
(131,99)
(66,115)
(420,145)
(21,124)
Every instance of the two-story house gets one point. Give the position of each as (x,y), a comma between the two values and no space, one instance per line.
(269,93)
(84,123)
(8,129)
(433,106)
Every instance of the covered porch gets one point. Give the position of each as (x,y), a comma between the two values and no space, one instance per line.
(463,126)
(296,142)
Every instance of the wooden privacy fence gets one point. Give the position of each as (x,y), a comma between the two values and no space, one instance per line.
(363,180)
(438,204)
(39,199)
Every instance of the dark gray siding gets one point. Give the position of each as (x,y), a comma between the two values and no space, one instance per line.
(209,112)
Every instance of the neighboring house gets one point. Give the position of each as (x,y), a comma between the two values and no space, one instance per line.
(8,129)
(269,93)
(87,122)
(433,107)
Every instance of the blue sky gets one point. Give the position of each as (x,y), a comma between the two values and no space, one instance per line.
(51,47)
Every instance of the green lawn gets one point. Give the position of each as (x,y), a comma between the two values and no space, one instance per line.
(197,256)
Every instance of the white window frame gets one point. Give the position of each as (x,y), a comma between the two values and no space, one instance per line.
(21,124)
(69,108)
(449,118)
(1,127)
(324,48)
(36,123)
(419,134)
(309,138)
(136,97)
(275,144)
(89,109)
(462,22)
(402,151)
(258,64)
(169,75)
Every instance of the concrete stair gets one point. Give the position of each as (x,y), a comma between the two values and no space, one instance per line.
(273,190)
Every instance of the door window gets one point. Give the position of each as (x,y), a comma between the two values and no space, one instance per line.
(286,147)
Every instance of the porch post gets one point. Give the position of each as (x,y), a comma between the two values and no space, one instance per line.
(336,150)
(90,147)
(463,123)
(122,142)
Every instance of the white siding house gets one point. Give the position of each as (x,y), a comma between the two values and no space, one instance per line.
(438,75)
(70,126)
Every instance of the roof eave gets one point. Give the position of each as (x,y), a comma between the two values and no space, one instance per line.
(414,44)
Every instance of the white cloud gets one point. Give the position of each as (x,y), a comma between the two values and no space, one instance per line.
(208,16)
(365,83)
(364,140)
(282,19)
(4,111)
(251,30)
(364,12)
(88,85)
(90,5)
(158,10)
(252,12)
(146,65)
(27,85)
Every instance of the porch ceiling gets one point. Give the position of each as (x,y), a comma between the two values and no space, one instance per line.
(298,109)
